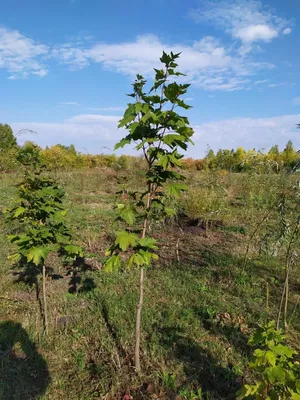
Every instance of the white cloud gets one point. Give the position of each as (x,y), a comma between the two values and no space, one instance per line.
(206,62)
(250,133)
(253,33)
(296,101)
(273,85)
(259,82)
(93,119)
(21,55)
(96,131)
(87,134)
(131,57)
(73,56)
(70,103)
(287,31)
(247,20)
(221,83)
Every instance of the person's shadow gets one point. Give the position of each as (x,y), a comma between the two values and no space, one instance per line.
(23,371)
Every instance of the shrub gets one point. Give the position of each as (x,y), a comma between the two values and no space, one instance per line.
(8,160)
(277,374)
(39,215)
(204,204)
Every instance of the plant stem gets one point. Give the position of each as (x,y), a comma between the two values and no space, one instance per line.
(281,303)
(138,322)
(245,260)
(45,301)
(177,251)
(267,296)
(206,228)
(141,291)
(286,299)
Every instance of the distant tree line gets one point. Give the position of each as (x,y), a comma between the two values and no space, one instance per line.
(60,157)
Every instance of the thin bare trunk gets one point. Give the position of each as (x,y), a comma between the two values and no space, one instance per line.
(294,310)
(141,293)
(45,301)
(286,298)
(206,228)
(280,307)
(245,260)
(138,323)
(177,251)
(267,296)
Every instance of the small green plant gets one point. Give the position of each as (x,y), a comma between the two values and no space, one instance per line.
(158,131)
(277,374)
(168,380)
(187,394)
(40,228)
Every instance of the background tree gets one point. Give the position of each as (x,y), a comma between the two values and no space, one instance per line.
(210,159)
(289,153)
(7,138)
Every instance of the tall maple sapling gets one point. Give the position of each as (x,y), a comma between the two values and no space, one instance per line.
(158,131)
(39,213)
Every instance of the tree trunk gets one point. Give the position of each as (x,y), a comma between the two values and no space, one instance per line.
(267,296)
(286,299)
(141,293)
(45,301)
(280,306)
(138,323)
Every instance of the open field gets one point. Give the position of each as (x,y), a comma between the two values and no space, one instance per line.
(202,301)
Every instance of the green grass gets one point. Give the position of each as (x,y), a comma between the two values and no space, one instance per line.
(197,317)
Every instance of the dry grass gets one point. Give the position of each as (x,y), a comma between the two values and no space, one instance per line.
(199,308)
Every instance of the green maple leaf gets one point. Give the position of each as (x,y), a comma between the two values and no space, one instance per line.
(174,189)
(148,242)
(125,239)
(113,263)
(37,255)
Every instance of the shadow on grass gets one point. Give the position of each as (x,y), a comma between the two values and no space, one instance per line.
(23,371)
(224,327)
(27,273)
(76,271)
(200,367)
(112,329)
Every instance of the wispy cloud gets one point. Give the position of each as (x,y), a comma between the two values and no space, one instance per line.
(248,21)
(262,81)
(93,119)
(287,31)
(96,131)
(250,133)
(207,63)
(69,103)
(21,55)
(274,85)
(296,101)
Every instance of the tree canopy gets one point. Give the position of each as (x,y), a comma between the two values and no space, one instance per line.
(7,138)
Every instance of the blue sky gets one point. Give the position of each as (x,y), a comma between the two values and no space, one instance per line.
(66,65)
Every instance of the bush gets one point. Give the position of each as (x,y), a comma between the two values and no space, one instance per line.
(204,204)
(277,374)
(8,160)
